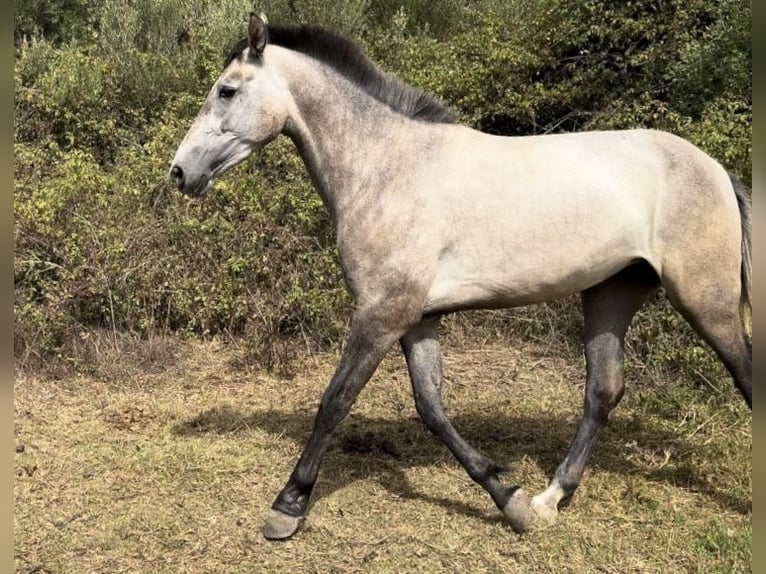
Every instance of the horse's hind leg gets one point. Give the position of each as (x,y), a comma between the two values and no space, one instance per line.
(608,309)
(710,302)
(421,350)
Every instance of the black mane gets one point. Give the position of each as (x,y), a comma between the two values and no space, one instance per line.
(348,59)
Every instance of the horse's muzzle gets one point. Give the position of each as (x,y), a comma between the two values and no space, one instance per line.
(178,176)
(198,188)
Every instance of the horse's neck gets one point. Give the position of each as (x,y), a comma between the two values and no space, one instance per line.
(340,133)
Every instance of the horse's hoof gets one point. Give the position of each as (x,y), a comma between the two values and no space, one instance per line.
(545,515)
(524,514)
(281,526)
(518,511)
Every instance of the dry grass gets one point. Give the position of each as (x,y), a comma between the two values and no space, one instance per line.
(174,471)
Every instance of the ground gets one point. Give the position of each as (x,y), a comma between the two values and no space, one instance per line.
(173,470)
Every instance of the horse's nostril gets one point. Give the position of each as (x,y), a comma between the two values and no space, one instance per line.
(177,175)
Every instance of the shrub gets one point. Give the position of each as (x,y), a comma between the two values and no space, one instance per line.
(59,21)
(103,244)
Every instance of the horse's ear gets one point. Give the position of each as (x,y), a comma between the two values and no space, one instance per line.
(258,34)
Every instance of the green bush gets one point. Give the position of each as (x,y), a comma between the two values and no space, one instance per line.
(102,99)
(121,251)
(57,20)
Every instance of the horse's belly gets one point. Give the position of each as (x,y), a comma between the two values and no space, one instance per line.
(494,279)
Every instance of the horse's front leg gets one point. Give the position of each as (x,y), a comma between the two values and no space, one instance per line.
(371,336)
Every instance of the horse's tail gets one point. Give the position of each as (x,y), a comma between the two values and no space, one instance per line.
(744,200)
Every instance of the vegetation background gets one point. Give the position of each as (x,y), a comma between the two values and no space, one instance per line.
(170,352)
(110,260)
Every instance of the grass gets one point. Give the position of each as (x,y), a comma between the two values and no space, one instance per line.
(173,470)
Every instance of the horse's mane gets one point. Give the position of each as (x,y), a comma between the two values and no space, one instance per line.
(348,59)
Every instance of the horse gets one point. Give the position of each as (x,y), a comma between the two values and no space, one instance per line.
(434,217)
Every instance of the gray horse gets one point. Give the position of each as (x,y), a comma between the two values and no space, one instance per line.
(434,217)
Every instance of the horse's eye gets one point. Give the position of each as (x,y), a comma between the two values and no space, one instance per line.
(226,92)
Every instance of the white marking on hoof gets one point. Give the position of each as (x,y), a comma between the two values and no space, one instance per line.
(546,503)
(546,515)
(280,526)
(524,514)
(518,512)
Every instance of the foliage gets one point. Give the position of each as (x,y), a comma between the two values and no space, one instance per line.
(105,90)
(57,20)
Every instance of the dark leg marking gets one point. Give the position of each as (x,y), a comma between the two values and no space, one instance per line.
(367,345)
(608,309)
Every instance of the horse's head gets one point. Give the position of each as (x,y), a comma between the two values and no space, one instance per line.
(245,109)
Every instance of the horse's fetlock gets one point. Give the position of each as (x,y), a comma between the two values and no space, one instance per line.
(294,508)
(293,500)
